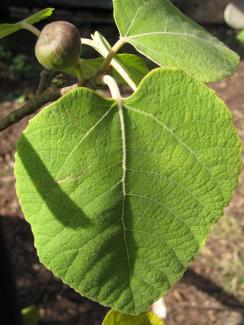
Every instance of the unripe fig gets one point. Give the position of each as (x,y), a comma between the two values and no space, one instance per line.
(58,46)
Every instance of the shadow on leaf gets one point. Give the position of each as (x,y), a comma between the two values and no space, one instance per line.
(57,201)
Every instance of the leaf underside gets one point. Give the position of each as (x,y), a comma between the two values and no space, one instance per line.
(7,29)
(121,198)
(157,29)
(117,318)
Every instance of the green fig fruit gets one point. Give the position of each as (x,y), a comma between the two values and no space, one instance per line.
(58,46)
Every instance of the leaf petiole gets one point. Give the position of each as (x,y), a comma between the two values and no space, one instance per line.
(103,48)
(111,54)
(88,42)
(31,29)
(79,73)
(113,87)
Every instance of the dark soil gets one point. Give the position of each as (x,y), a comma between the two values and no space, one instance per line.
(57,303)
(212,290)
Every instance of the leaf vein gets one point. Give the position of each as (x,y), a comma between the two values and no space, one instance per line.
(180,141)
(168,209)
(176,34)
(184,189)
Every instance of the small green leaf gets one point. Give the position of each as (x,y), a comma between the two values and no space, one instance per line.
(38,16)
(240,38)
(117,318)
(157,29)
(30,315)
(121,196)
(7,29)
(135,66)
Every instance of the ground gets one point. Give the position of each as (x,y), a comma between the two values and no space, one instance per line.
(212,290)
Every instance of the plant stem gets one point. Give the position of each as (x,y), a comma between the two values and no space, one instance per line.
(45,79)
(111,54)
(31,29)
(52,93)
(110,59)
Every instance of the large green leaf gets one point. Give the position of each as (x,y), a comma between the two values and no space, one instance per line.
(7,29)
(117,318)
(121,196)
(157,29)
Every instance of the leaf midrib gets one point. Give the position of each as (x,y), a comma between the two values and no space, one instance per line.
(124,194)
(210,42)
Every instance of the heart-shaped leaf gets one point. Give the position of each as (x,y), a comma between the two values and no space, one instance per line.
(122,194)
(7,29)
(117,318)
(157,29)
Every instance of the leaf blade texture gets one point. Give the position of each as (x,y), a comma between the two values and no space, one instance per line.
(157,29)
(121,198)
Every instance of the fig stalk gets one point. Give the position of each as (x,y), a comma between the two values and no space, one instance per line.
(79,73)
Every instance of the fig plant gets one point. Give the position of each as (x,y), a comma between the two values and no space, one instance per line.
(122,192)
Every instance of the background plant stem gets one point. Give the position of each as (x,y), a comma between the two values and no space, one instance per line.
(52,93)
